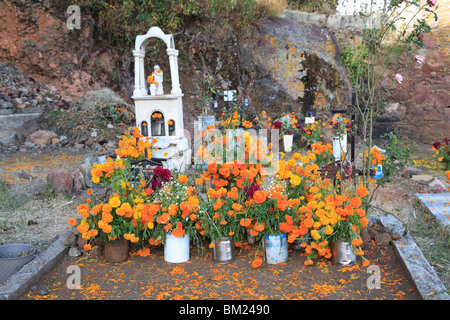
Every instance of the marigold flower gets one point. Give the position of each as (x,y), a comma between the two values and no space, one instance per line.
(362,191)
(259,196)
(245,222)
(114,202)
(308,262)
(83,228)
(72,222)
(87,247)
(257,263)
(355,202)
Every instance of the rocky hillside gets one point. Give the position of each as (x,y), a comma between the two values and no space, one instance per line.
(279,65)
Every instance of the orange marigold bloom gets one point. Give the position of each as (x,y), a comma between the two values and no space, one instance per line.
(366,263)
(259,196)
(245,222)
(236,207)
(179,231)
(83,228)
(259,227)
(308,262)
(362,191)
(257,263)
(182,179)
(355,202)
(72,222)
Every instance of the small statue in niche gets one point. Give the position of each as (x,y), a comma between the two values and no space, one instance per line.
(158,78)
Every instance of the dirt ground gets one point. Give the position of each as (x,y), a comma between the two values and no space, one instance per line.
(201,278)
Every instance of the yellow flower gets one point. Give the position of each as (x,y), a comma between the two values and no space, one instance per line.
(150,225)
(295,180)
(315,235)
(114,202)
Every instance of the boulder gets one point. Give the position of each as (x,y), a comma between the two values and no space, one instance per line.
(383,239)
(41,137)
(71,240)
(61,180)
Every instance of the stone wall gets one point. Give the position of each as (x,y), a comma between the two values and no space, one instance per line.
(420,107)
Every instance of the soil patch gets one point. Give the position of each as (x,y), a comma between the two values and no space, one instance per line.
(203,279)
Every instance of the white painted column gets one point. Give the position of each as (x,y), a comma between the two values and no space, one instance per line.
(137,82)
(173,61)
(142,72)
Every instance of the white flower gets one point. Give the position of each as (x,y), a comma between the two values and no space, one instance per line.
(420,59)
(399,78)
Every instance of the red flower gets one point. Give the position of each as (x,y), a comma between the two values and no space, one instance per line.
(436,145)
(277,124)
(288,133)
(446,141)
(160,175)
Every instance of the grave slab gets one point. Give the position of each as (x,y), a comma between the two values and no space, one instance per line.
(437,204)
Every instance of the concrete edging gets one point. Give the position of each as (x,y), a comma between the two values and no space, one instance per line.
(419,270)
(30,273)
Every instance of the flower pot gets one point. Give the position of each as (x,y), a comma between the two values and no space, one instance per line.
(339,146)
(13,257)
(116,251)
(176,249)
(224,250)
(342,253)
(276,248)
(287,142)
(251,239)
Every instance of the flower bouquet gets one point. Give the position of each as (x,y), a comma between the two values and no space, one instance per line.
(318,214)
(312,133)
(220,213)
(174,208)
(117,217)
(442,153)
(340,125)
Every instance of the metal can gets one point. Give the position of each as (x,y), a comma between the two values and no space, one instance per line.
(342,253)
(224,250)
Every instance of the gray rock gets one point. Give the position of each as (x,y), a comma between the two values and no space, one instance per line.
(74,252)
(396,236)
(95,252)
(383,239)
(85,168)
(71,239)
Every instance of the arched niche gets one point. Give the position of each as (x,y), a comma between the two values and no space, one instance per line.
(144,128)
(171,127)
(139,55)
(157,124)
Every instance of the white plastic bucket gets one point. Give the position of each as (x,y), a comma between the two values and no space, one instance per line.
(176,249)
(276,248)
(339,146)
(287,142)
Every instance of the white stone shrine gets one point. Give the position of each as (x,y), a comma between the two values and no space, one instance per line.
(160,115)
